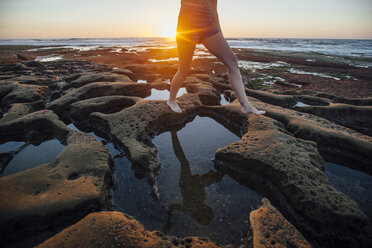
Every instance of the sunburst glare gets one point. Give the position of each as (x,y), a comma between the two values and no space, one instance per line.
(168,30)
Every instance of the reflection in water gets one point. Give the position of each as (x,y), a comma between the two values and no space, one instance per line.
(72,126)
(109,146)
(29,156)
(355,184)
(224,101)
(300,104)
(187,186)
(192,189)
(164,94)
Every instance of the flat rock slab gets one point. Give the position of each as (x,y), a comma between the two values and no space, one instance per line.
(20,93)
(336,143)
(99,77)
(114,229)
(97,89)
(356,117)
(55,193)
(290,170)
(133,129)
(271,229)
(279,154)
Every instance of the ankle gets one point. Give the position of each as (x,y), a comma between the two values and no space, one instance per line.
(248,106)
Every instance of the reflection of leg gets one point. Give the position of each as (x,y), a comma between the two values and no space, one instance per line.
(185,53)
(6,157)
(185,167)
(171,208)
(217,45)
(168,224)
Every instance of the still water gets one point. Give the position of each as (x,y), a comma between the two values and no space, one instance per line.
(355,184)
(194,198)
(30,156)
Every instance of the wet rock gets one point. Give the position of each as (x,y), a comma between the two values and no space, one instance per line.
(20,109)
(353,113)
(133,128)
(289,85)
(205,90)
(333,98)
(34,64)
(29,79)
(336,143)
(281,100)
(292,171)
(356,117)
(114,229)
(152,68)
(61,105)
(21,57)
(312,100)
(277,155)
(106,104)
(125,72)
(152,72)
(56,193)
(72,77)
(19,93)
(270,228)
(99,77)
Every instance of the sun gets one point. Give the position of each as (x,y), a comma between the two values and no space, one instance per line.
(168,30)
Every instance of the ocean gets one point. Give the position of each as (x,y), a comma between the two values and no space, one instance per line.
(338,47)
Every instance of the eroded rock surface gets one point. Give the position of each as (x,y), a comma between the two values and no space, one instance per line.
(271,229)
(293,172)
(280,155)
(55,193)
(114,229)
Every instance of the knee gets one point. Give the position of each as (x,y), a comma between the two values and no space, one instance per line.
(232,63)
(183,72)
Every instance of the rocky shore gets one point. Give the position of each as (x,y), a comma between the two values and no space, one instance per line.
(317,111)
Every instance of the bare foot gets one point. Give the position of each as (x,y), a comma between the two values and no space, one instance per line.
(253,110)
(174,106)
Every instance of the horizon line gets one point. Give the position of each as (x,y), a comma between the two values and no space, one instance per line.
(171,38)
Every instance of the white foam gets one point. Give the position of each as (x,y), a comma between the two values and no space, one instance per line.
(116,50)
(43,48)
(204,57)
(296,71)
(49,58)
(201,53)
(253,66)
(163,60)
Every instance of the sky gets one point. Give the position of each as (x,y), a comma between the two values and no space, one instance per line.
(153,18)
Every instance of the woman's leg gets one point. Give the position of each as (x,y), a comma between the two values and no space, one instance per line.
(185,54)
(218,46)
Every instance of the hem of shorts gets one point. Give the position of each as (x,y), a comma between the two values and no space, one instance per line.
(209,35)
(201,41)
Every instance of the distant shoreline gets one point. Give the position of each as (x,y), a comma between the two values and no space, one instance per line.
(163,37)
